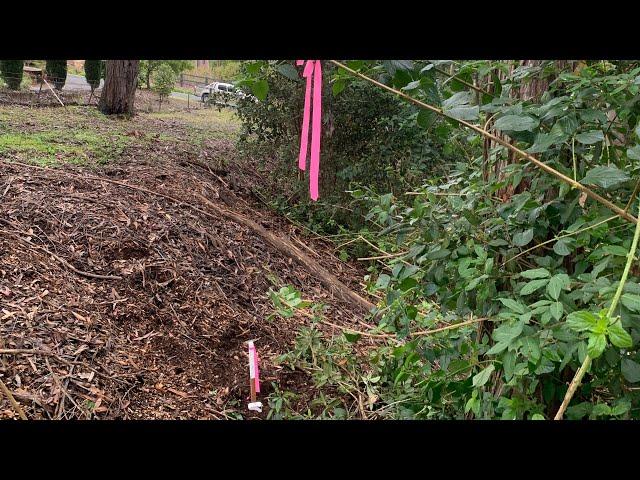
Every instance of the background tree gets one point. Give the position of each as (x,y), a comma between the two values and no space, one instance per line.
(93,71)
(149,67)
(164,81)
(57,72)
(118,93)
(12,71)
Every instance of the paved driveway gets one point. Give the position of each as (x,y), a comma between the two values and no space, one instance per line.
(74,83)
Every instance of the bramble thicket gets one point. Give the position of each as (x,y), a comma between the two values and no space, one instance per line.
(494,278)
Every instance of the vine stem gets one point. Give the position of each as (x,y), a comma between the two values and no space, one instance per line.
(577,379)
(521,153)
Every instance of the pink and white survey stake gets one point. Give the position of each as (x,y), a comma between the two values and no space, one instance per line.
(254,372)
(313,73)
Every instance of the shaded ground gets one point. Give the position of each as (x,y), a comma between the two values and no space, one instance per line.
(165,338)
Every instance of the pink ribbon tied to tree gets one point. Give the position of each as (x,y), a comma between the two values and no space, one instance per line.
(313,73)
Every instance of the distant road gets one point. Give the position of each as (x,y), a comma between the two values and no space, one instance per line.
(74,83)
(78,83)
(184,96)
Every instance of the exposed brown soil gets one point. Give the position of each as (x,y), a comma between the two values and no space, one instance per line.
(165,339)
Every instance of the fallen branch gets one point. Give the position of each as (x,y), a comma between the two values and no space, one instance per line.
(16,406)
(286,247)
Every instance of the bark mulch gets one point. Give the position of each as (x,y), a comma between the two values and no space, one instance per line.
(119,304)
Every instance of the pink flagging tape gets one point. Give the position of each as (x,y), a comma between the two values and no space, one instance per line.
(313,73)
(315,133)
(304,140)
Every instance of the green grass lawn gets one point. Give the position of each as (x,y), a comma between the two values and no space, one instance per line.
(82,135)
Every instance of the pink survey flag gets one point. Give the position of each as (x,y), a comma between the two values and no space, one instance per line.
(313,74)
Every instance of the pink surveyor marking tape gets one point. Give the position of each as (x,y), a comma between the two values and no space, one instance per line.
(315,130)
(304,140)
(313,73)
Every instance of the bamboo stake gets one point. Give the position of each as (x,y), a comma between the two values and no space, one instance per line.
(52,91)
(590,193)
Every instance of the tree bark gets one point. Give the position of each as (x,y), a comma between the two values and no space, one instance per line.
(119,90)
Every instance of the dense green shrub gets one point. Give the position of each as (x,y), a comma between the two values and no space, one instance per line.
(93,72)
(497,279)
(12,72)
(57,72)
(149,68)
(368,137)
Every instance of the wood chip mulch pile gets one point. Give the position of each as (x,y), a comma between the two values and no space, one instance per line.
(117,304)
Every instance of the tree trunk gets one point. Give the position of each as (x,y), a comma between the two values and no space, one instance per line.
(118,93)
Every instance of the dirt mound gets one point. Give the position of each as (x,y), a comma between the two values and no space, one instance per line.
(119,304)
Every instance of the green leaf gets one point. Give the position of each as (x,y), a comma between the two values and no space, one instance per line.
(605,177)
(535,273)
(516,123)
(383,281)
(459,106)
(466,112)
(631,301)
(630,370)
(544,141)
(596,345)
(520,239)
(556,284)
(581,321)
(533,285)
(537,416)
(615,250)
(633,153)
(621,407)
(338,86)
(513,305)
(288,71)
(425,118)
(619,336)
(507,334)
(411,85)
(590,137)
(561,247)
(438,254)
(260,89)
(351,337)
(481,378)
(556,310)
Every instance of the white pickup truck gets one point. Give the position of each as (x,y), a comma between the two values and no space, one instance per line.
(225,89)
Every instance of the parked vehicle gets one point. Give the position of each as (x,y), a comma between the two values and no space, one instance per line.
(224,89)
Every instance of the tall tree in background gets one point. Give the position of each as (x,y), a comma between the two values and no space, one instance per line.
(118,93)
(92,73)
(12,71)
